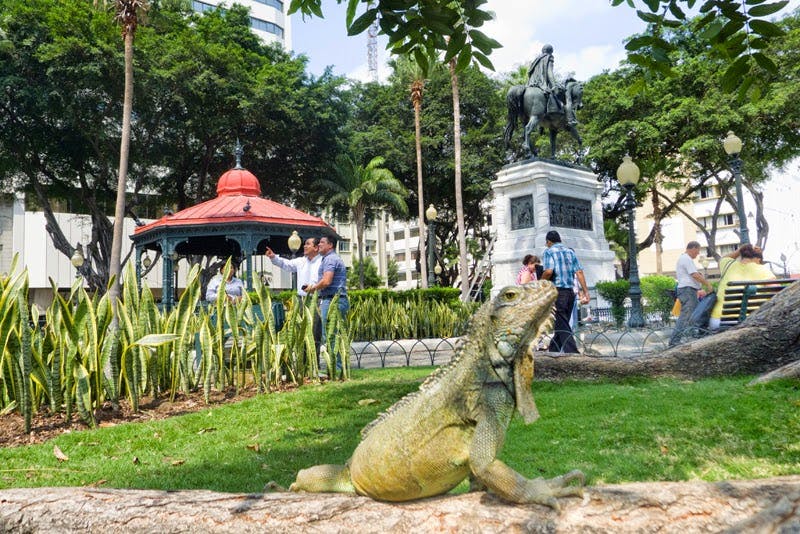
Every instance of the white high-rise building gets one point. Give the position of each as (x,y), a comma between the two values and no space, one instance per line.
(268,18)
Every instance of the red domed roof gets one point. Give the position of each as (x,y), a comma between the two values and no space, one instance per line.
(238,181)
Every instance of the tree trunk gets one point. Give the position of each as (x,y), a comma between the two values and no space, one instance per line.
(682,507)
(115,267)
(767,340)
(416,97)
(462,232)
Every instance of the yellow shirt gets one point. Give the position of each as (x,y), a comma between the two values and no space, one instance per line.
(737,272)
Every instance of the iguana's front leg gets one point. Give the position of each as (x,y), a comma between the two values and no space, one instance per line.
(502,479)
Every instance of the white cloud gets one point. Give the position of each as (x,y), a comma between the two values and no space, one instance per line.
(583,44)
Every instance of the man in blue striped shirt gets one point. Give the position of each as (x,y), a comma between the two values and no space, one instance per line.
(561,266)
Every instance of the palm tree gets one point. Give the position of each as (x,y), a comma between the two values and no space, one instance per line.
(462,232)
(364,190)
(128,12)
(410,69)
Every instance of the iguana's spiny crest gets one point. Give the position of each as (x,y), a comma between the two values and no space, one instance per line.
(453,428)
(513,320)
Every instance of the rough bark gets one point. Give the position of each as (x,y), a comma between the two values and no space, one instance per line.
(767,340)
(684,507)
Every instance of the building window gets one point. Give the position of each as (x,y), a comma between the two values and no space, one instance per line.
(277,4)
(344,245)
(370,246)
(708,192)
(399,235)
(726,220)
(201,7)
(400,256)
(414,232)
(264,26)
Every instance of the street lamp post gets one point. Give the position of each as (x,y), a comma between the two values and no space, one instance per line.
(77,260)
(431,214)
(733,147)
(294,246)
(628,176)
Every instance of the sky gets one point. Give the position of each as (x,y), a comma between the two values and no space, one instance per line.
(588,37)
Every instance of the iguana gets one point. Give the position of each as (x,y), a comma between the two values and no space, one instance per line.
(455,425)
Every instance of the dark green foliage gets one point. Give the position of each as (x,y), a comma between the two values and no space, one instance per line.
(371,276)
(673,126)
(446,295)
(658,294)
(201,81)
(615,292)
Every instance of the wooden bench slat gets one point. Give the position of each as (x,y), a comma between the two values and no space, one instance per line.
(743,297)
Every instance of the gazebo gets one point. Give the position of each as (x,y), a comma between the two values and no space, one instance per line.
(238,223)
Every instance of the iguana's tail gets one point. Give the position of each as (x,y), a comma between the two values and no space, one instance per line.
(324,479)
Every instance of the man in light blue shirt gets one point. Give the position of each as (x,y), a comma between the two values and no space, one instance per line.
(561,266)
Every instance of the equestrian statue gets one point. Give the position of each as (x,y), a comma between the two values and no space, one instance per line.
(543,103)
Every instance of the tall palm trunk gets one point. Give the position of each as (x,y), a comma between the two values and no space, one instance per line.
(119,211)
(416,99)
(462,233)
(360,220)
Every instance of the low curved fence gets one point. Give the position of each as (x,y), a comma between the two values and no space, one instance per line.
(601,340)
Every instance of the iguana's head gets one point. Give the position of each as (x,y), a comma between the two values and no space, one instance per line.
(519,316)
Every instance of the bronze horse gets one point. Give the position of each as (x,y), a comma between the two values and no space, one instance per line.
(530,105)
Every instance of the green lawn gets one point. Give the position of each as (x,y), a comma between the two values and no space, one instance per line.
(615,432)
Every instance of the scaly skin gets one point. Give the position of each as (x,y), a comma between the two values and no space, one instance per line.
(455,425)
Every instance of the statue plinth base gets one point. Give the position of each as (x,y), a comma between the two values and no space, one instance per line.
(535,196)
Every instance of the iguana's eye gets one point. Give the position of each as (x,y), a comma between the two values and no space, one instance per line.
(510,295)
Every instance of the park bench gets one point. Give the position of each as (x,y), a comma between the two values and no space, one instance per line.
(744,297)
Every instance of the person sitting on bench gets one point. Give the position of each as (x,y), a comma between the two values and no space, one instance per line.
(748,267)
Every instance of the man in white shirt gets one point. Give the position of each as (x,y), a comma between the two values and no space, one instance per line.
(307,269)
(689,282)
(306,266)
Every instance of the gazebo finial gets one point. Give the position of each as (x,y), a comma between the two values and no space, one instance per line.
(239,152)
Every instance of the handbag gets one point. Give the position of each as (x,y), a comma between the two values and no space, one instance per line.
(676,308)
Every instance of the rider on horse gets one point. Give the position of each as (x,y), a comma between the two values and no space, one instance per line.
(540,75)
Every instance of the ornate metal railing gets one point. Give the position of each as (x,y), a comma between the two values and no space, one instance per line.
(600,340)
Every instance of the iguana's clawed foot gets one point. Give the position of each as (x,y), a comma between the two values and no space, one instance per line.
(561,485)
(273,486)
(549,490)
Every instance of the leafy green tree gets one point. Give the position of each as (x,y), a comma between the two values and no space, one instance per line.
(200,80)
(392,273)
(615,292)
(381,124)
(363,190)
(371,278)
(738,30)
(673,126)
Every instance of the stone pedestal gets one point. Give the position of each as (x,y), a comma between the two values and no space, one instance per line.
(533,197)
